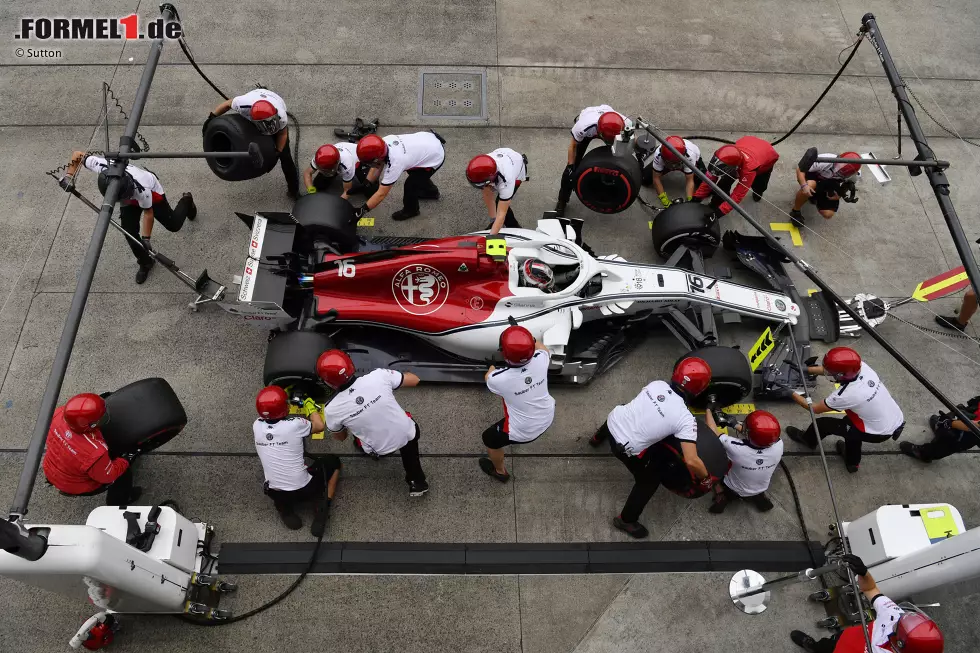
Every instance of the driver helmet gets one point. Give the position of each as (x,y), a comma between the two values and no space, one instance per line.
(537,274)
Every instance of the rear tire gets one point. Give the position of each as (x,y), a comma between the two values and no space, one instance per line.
(326,218)
(231,132)
(143,415)
(685,223)
(290,361)
(607,182)
(731,376)
(676,476)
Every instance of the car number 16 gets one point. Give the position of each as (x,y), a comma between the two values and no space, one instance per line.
(346,269)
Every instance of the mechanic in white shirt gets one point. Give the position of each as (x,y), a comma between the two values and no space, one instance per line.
(821,184)
(419,155)
(752,460)
(366,406)
(267,111)
(337,161)
(141,201)
(871,415)
(498,174)
(664,161)
(893,630)
(601,121)
(635,429)
(280,442)
(529,409)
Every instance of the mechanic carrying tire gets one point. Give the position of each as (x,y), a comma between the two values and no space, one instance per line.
(420,155)
(267,113)
(498,175)
(664,161)
(823,184)
(335,161)
(749,162)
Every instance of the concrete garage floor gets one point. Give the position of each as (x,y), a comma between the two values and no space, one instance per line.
(751,68)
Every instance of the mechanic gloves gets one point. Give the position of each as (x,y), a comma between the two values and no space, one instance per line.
(204,127)
(360,212)
(66,183)
(310,190)
(664,199)
(855,563)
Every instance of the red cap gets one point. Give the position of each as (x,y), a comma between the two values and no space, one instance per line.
(610,125)
(678,143)
(371,148)
(917,633)
(272,403)
(842,363)
(263,110)
(517,345)
(335,368)
(85,412)
(691,376)
(481,170)
(326,158)
(762,428)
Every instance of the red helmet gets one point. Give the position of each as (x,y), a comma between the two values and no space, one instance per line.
(691,376)
(272,403)
(263,110)
(842,363)
(610,125)
(726,161)
(85,412)
(762,428)
(481,170)
(326,158)
(517,345)
(678,143)
(848,169)
(335,368)
(99,637)
(371,148)
(917,633)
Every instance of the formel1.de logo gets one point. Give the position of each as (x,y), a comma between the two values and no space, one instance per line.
(420,289)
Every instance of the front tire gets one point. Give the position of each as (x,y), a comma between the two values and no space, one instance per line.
(731,376)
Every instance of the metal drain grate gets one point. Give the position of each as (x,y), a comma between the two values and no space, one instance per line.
(459,94)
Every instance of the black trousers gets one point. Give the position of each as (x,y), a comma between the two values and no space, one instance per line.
(410,459)
(826,645)
(172,220)
(322,469)
(853,437)
(418,185)
(509,219)
(289,169)
(759,186)
(567,183)
(946,443)
(646,476)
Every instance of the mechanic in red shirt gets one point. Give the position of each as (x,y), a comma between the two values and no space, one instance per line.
(749,162)
(77,460)
(893,629)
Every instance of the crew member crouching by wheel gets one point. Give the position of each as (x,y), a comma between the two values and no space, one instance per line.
(753,460)
(366,406)
(635,430)
(523,386)
(330,162)
(77,460)
(893,630)
(950,435)
(602,121)
(141,201)
(664,162)
(498,174)
(420,155)
(749,162)
(289,481)
(871,413)
(822,184)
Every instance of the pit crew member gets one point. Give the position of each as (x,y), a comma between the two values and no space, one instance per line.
(950,435)
(77,460)
(635,430)
(753,460)
(280,442)
(665,162)
(871,415)
(267,111)
(893,629)
(821,184)
(523,386)
(366,406)
(602,121)
(141,201)
(330,162)
(749,162)
(960,321)
(420,155)
(498,174)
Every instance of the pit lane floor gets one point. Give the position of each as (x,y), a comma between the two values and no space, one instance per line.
(753,69)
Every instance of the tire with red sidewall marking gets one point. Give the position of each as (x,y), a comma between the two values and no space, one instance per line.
(607,182)
(143,415)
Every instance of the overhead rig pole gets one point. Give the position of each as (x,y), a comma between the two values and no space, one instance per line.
(14,537)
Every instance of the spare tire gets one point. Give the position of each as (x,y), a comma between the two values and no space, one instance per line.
(607,182)
(231,132)
(143,415)
(686,223)
(731,376)
(290,361)
(327,218)
(676,476)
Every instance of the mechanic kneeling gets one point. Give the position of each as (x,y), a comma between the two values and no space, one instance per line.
(635,431)
(602,121)
(77,461)
(529,408)
(664,162)
(289,481)
(498,174)
(871,413)
(366,406)
(822,184)
(753,460)
(420,155)
(950,435)
(332,161)
(748,164)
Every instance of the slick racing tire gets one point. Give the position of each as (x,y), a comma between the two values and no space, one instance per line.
(685,223)
(230,132)
(606,182)
(143,415)
(290,362)
(676,476)
(326,218)
(731,376)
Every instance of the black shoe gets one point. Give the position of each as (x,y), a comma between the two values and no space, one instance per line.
(841,451)
(144,271)
(487,466)
(933,423)
(595,441)
(762,502)
(719,503)
(950,323)
(756,197)
(633,529)
(292,521)
(320,519)
(134,495)
(402,214)
(192,212)
(796,217)
(804,641)
(798,435)
(417,488)
(912,450)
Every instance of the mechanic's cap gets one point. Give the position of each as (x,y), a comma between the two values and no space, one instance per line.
(610,125)
(85,412)
(272,403)
(263,110)
(335,368)
(762,428)
(326,158)
(691,376)
(371,148)
(678,143)
(842,363)
(481,170)
(517,345)
(848,169)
